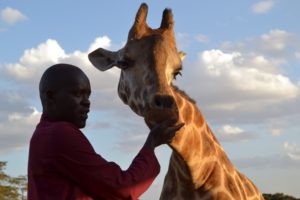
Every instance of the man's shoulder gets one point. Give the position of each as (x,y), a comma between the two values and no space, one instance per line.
(58,128)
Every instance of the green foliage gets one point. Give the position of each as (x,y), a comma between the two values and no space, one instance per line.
(279,196)
(12,188)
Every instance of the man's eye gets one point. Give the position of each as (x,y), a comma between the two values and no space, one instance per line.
(77,94)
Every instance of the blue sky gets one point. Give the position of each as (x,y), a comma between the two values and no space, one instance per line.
(242,68)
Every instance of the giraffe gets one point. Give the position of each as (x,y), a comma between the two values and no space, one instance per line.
(149,62)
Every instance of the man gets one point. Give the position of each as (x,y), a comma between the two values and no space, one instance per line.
(63,164)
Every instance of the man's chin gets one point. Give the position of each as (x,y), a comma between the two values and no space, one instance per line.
(81,124)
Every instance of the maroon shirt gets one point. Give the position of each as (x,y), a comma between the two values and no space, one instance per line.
(64,166)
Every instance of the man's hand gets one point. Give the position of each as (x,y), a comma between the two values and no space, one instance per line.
(162,133)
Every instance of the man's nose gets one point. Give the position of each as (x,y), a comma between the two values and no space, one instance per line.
(86,101)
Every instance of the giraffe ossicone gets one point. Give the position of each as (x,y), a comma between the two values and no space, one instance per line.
(149,62)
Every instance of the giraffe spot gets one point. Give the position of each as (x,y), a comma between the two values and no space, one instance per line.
(208,147)
(248,186)
(148,80)
(136,94)
(127,90)
(231,187)
(140,107)
(187,194)
(123,96)
(187,113)
(145,94)
(133,106)
(179,101)
(202,173)
(198,118)
(238,181)
(214,180)
(212,134)
(226,162)
(222,196)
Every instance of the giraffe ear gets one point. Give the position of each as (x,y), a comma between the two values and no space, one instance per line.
(182,55)
(103,59)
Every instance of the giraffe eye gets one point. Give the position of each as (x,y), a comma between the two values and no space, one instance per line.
(125,63)
(176,73)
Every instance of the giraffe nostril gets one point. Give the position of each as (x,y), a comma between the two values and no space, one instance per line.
(157,102)
(164,101)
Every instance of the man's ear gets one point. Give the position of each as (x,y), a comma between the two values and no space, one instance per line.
(48,96)
(104,59)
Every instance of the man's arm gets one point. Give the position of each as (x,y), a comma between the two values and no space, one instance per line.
(77,160)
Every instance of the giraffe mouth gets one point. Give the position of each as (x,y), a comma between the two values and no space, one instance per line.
(158,115)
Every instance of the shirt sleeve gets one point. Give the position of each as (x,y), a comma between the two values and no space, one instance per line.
(76,159)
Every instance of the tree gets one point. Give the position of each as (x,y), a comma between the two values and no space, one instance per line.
(12,188)
(279,196)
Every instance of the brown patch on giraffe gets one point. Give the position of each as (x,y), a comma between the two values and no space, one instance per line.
(187,194)
(127,89)
(228,166)
(238,181)
(190,144)
(179,101)
(212,135)
(198,118)
(231,187)
(203,175)
(222,196)
(137,94)
(145,94)
(249,186)
(187,113)
(208,147)
(133,106)
(214,180)
(123,96)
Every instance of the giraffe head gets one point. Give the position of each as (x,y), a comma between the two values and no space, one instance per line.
(149,62)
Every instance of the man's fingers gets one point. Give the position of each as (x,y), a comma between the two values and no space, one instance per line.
(171,131)
(176,128)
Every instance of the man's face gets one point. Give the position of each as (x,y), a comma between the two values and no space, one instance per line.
(71,101)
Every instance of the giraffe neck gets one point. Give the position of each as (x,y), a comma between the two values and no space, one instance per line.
(199,167)
(195,143)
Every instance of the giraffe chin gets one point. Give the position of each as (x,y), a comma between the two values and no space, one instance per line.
(156,116)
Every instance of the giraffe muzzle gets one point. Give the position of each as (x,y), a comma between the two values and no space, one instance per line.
(164,102)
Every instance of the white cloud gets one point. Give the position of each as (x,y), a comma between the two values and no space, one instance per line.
(202,38)
(263,6)
(103,42)
(16,130)
(234,69)
(292,151)
(276,46)
(230,130)
(276,40)
(245,81)
(12,16)
(297,54)
(276,131)
(35,60)
(22,78)
(229,133)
